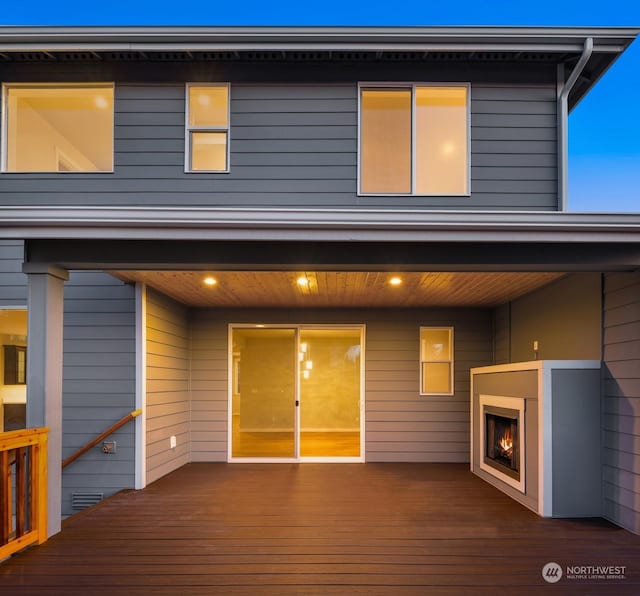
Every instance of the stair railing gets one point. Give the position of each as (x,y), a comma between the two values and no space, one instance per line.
(113,428)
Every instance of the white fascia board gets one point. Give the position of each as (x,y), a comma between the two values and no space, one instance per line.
(284,46)
(562,39)
(315,224)
(308,32)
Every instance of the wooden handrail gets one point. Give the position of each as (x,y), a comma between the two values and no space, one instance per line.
(23,474)
(113,428)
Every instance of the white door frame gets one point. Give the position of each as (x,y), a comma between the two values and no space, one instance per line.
(297,328)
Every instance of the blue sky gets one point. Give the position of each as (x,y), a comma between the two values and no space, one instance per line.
(604,130)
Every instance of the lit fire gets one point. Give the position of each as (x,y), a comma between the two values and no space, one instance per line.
(506,444)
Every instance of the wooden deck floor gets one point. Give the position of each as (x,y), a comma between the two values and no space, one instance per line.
(317,529)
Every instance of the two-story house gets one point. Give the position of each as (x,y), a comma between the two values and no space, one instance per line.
(294,244)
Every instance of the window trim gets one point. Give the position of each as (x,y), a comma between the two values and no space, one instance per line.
(4,155)
(372,86)
(451,360)
(189,129)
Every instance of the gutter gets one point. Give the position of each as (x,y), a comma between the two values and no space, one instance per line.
(201,223)
(564,88)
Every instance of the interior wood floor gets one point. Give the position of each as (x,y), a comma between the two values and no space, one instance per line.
(281,444)
(318,529)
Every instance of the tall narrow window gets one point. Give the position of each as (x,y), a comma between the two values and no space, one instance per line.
(436,360)
(58,128)
(414,139)
(386,141)
(207,143)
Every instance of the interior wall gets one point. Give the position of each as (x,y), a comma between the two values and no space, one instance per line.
(564,317)
(331,391)
(42,155)
(168,407)
(13,396)
(13,293)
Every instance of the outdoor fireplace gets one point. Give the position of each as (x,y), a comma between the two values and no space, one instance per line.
(502,439)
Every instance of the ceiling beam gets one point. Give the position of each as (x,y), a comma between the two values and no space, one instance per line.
(333,256)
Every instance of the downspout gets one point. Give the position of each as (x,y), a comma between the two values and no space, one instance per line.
(564,88)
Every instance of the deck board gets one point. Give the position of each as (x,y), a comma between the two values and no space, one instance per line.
(317,529)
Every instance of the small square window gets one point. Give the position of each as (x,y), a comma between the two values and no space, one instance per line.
(436,361)
(207,130)
(209,151)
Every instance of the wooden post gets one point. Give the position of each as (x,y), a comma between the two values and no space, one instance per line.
(41,487)
(5,497)
(21,490)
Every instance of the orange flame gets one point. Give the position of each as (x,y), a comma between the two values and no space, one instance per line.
(506,444)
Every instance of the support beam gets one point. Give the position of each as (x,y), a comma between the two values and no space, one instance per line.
(141,385)
(44,372)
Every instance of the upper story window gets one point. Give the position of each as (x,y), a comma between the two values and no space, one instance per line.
(414,139)
(57,128)
(207,128)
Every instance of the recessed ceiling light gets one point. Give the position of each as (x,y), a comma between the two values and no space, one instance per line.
(395,281)
(101,102)
(302,281)
(210,281)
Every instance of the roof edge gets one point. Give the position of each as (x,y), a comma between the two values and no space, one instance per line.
(317,224)
(102,34)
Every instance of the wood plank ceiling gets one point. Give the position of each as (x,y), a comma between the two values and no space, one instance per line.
(340,288)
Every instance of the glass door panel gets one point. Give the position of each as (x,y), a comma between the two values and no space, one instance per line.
(263,393)
(330,377)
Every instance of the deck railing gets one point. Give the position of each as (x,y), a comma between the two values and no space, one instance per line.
(23,494)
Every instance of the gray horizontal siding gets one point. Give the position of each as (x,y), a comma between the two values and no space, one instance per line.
(167,400)
(296,145)
(13,283)
(621,402)
(209,389)
(400,424)
(502,334)
(98,372)
(98,383)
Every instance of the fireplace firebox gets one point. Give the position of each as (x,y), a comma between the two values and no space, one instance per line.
(502,441)
(502,438)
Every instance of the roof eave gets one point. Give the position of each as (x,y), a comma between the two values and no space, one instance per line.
(133,223)
(176,38)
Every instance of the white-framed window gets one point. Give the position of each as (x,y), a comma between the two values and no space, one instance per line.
(57,127)
(436,361)
(414,139)
(207,115)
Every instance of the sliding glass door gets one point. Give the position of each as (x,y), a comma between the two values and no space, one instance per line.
(330,392)
(295,393)
(264,393)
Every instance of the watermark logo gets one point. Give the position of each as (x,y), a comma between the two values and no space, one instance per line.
(593,572)
(552,573)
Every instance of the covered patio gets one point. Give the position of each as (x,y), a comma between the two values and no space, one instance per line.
(370,528)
